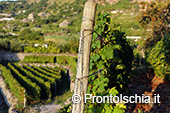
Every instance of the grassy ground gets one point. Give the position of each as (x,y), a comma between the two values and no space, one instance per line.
(56,38)
(60,99)
(129,23)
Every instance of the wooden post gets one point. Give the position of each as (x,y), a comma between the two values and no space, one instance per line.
(1,71)
(25,99)
(81,81)
(55,87)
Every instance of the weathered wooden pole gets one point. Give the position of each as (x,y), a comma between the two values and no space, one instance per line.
(55,88)
(81,81)
(25,99)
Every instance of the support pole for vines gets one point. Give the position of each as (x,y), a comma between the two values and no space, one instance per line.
(25,100)
(55,88)
(81,81)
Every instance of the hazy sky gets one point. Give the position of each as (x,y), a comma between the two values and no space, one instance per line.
(7,0)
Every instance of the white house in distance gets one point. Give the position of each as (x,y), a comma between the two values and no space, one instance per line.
(38,45)
(133,37)
(116,11)
(45,45)
(8,19)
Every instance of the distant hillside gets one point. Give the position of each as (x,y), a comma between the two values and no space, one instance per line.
(38,6)
(46,14)
(61,2)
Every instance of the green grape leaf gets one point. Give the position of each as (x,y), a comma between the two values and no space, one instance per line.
(121,105)
(121,66)
(117,47)
(100,65)
(98,44)
(93,46)
(108,110)
(100,84)
(103,55)
(95,36)
(91,64)
(95,57)
(107,53)
(117,110)
(113,91)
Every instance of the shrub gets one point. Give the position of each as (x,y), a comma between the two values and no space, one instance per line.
(71,46)
(28,34)
(4,44)
(15,46)
(50,49)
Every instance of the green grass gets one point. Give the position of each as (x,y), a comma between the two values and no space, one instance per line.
(36,29)
(129,22)
(123,4)
(56,38)
(68,61)
(60,99)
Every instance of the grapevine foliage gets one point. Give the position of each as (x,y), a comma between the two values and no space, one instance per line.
(110,52)
(13,84)
(159,57)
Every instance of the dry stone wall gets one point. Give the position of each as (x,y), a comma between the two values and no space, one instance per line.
(9,56)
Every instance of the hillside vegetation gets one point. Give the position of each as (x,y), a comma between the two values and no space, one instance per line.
(57,23)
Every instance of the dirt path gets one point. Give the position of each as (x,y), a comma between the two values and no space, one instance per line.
(147,83)
(49,108)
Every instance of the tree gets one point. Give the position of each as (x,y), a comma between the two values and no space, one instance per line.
(155,16)
(15,46)
(28,34)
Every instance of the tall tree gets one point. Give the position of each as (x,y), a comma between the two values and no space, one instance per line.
(156,16)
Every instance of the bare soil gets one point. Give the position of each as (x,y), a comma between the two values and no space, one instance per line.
(147,83)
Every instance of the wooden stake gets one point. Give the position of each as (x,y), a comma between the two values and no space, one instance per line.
(25,99)
(55,87)
(81,80)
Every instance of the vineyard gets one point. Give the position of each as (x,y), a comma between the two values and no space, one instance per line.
(31,84)
(46,71)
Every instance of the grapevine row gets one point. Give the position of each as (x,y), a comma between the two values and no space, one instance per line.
(35,72)
(45,77)
(13,84)
(61,70)
(159,57)
(46,73)
(32,88)
(57,68)
(39,59)
(45,86)
(49,70)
